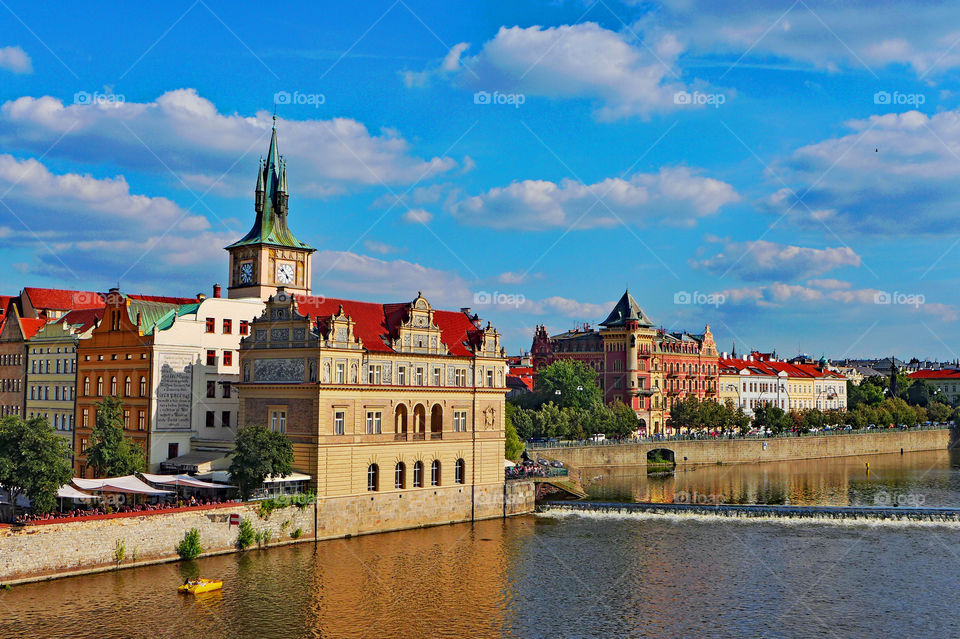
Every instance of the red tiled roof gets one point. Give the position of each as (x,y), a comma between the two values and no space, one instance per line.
(947,373)
(62,300)
(84,318)
(30,326)
(163,299)
(376,324)
(4,302)
(519,381)
(772,368)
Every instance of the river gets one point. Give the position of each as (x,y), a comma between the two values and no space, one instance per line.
(570,575)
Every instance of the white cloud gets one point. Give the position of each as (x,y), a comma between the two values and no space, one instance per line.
(675,195)
(379,247)
(188,135)
(828,283)
(417,216)
(893,174)
(762,260)
(583,60)
(15,59)
(511,277)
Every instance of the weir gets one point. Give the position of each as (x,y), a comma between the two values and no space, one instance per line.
(742,511)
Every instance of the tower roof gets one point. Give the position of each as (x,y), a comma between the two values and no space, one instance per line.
(270,227)
(626,309)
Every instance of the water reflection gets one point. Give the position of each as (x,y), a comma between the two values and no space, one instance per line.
(912,479)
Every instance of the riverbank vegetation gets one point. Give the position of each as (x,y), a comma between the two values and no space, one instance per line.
(34,462)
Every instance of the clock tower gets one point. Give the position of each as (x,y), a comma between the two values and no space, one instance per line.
(269,256)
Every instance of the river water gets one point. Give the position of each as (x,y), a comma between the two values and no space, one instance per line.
(570,575)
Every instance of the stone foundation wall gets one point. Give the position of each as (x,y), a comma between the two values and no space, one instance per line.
(739,451)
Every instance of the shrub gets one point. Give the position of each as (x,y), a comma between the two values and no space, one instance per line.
(246,534)
(189,547)
(296,534)
(120,551)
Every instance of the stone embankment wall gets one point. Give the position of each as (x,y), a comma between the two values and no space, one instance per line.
(63,548)
(741,451)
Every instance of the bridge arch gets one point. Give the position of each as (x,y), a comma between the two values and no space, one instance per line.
(661,457)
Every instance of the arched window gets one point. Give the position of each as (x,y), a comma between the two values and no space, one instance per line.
(99,387)
(459,471)
(435,473)
(400,476)
(113,385)
(143,387)
(126,387)
(373,477)
(418,475)
(86,386)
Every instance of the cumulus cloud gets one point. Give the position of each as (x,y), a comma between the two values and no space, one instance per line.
(893,174)
(417,216)
(675,195)
(824,34)
(624,77)
(15,59)
(185,132)
(761,260)
(379,247)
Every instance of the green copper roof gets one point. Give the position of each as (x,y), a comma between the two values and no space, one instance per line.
(626,309)
(270,227)
(158,313)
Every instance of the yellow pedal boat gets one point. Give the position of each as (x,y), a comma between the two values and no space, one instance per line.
(197,586)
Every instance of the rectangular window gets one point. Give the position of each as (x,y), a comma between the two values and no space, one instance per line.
(278,420)
(226,390)
(126,419)
(211,418)
(211,324)
(225,419)
(340,378)
(85,416)
(211,388)
(141,420)
(373,422)
(419,376)
(83,444)
(436,376)
(460,377)
(227,327)
(460,421)
(244,327)
(374,374)
(338,423)
(402,375)
(211,358)
(173,450)
(490,378)
(228,358)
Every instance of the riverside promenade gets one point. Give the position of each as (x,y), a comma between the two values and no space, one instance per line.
(745,450)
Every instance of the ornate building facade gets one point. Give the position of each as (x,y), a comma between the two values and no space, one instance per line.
(645,367)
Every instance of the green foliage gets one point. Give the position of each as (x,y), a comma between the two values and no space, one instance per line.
(245,534)
(189,547)
(268,505)
(771,417)
(258,453)
(111,453)
(34,461)
(513,447)
(522,420)
(919,393)
(708,414)
(575,381)
(120,551)
(938,412)
(296,534)
(624,421)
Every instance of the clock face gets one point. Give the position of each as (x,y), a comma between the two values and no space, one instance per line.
(246,272)
(285,273)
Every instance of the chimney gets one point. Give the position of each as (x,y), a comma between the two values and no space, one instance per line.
(216,290)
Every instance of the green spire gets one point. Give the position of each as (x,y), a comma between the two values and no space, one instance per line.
(270,226)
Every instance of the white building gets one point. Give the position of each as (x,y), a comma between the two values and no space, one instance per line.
(195,366)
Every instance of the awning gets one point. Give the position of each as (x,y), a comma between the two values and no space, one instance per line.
(69,492)
(198,461)
(128,484)
(274,479)
(508,464)
(181,480)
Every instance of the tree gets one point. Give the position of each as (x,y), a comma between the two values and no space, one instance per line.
(767,416)
(513,447)
(685,413)
(919,393)
(259,452)
(551,421)
(575,381)
(111,453)
(522,420)
(938,412)
(625,421)
(34,461)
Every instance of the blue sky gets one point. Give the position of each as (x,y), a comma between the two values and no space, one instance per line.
(784,171)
